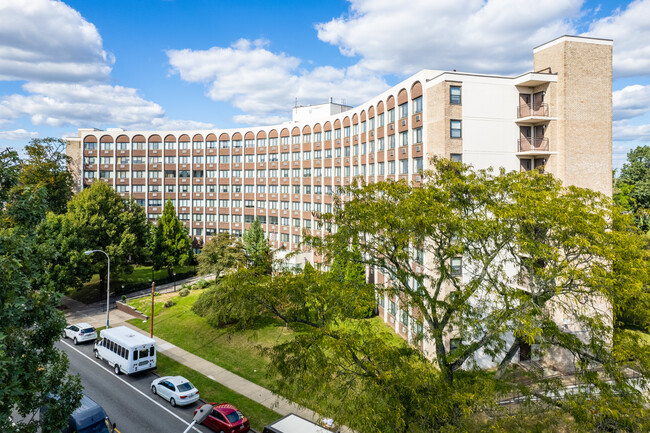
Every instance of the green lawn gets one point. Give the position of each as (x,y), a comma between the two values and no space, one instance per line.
(211,391)
(234,352)
(140,278)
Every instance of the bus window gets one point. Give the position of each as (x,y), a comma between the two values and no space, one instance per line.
(135,355)
(151,351)
(144,353)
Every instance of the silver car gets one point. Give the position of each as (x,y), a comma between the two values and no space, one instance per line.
(176,389)
(81,332)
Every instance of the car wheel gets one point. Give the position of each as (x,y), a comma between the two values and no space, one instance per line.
(172,402)
(96,354)
(117,369)
(153,389)
(74,340)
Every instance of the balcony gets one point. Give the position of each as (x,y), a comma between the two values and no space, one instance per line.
(533,144)
(533,113)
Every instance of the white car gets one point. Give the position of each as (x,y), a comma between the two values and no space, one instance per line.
(81,332)
(176,389)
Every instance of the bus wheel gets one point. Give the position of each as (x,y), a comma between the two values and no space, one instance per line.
(117,369)
(96,354)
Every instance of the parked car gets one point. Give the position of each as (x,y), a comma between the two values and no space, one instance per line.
(176,389)
(81,332)
(226,418)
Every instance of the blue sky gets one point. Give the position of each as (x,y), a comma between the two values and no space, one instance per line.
(187,64)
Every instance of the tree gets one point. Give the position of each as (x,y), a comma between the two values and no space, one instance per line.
(33,372)
(172,246)
(220,254)
(47,165)
(9,173)
(258,250)
(97,219)
(487,260)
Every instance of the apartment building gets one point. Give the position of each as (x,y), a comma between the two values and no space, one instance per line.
(558,117)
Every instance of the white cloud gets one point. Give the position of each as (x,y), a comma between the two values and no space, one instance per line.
(17,134)
(44,40)
(631,101)
(59,104)
(630,29)
(624,131)
(403,37)
(251,119)
(263,84)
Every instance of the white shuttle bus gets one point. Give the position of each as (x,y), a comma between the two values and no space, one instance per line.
(126,350)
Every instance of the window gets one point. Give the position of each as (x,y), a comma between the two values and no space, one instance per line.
(404,138)
(224,159)
(155,145)
(317,137)
(455,129)
(456,266)
(90,146)
(89,174)
(183,144)
(261,142)
(328,135)
(236,144)
(273,141)
(418,165)
(93,160)
(105,174)
(392,307)
(211,144)
(107,160)
(391,167)
(249,143)
(417,105)
(170,160)
(261,157)
(306,155)
(403,110)
(197,159)
(403,166)
(391,115)
(417,135)
(456,157)
(454,95)
(224,144)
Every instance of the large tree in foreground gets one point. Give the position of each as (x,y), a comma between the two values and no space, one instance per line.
(258,250)
(221,253)
(33,372)
(98,218)
(172,246)
(489,260)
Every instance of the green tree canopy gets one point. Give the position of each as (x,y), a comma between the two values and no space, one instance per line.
(172,246)
(220,254)
(490,261)
(258,249)
(32,370)
(47,165)
(97,219)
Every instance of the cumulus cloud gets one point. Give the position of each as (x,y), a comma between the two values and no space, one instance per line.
(631,101)
(623,130)
(18,134)
(264,84)
(44,40)
(630,29)
(60,104)
(494,36)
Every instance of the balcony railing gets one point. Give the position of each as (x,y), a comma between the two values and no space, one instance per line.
(533,110)
(528,144)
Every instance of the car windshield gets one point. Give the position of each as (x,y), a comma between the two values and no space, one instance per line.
(87,330)
(184,386)
(233,417)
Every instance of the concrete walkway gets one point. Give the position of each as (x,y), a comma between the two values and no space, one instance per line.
(79,312)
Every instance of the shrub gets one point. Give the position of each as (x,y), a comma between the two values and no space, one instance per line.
(202,284)
(123,298)
(156,293)
(169,303)
(184,292)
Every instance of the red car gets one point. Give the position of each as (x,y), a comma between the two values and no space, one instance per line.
(226,418)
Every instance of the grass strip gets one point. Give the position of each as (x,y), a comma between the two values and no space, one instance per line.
(211,391)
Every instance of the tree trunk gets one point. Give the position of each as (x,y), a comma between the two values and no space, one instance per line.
(505,362)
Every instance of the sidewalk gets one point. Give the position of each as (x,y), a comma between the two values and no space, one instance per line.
(238,384)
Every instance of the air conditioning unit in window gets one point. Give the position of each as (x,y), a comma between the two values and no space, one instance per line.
(417,148)
(392,153)
(338,141)
(391,126)
(403,150)
(392,320)
(417,118)
(403,122)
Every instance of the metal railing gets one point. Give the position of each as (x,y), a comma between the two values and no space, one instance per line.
(527,144)
(533,109)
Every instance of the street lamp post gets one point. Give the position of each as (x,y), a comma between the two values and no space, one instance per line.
(108,280)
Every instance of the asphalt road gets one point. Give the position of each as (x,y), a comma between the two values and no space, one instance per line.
(127,400)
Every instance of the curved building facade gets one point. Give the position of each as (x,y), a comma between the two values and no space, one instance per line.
(559,117)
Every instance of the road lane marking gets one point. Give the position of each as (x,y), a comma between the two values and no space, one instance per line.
(131,386)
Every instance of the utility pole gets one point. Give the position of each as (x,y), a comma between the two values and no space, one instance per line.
(153,290)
